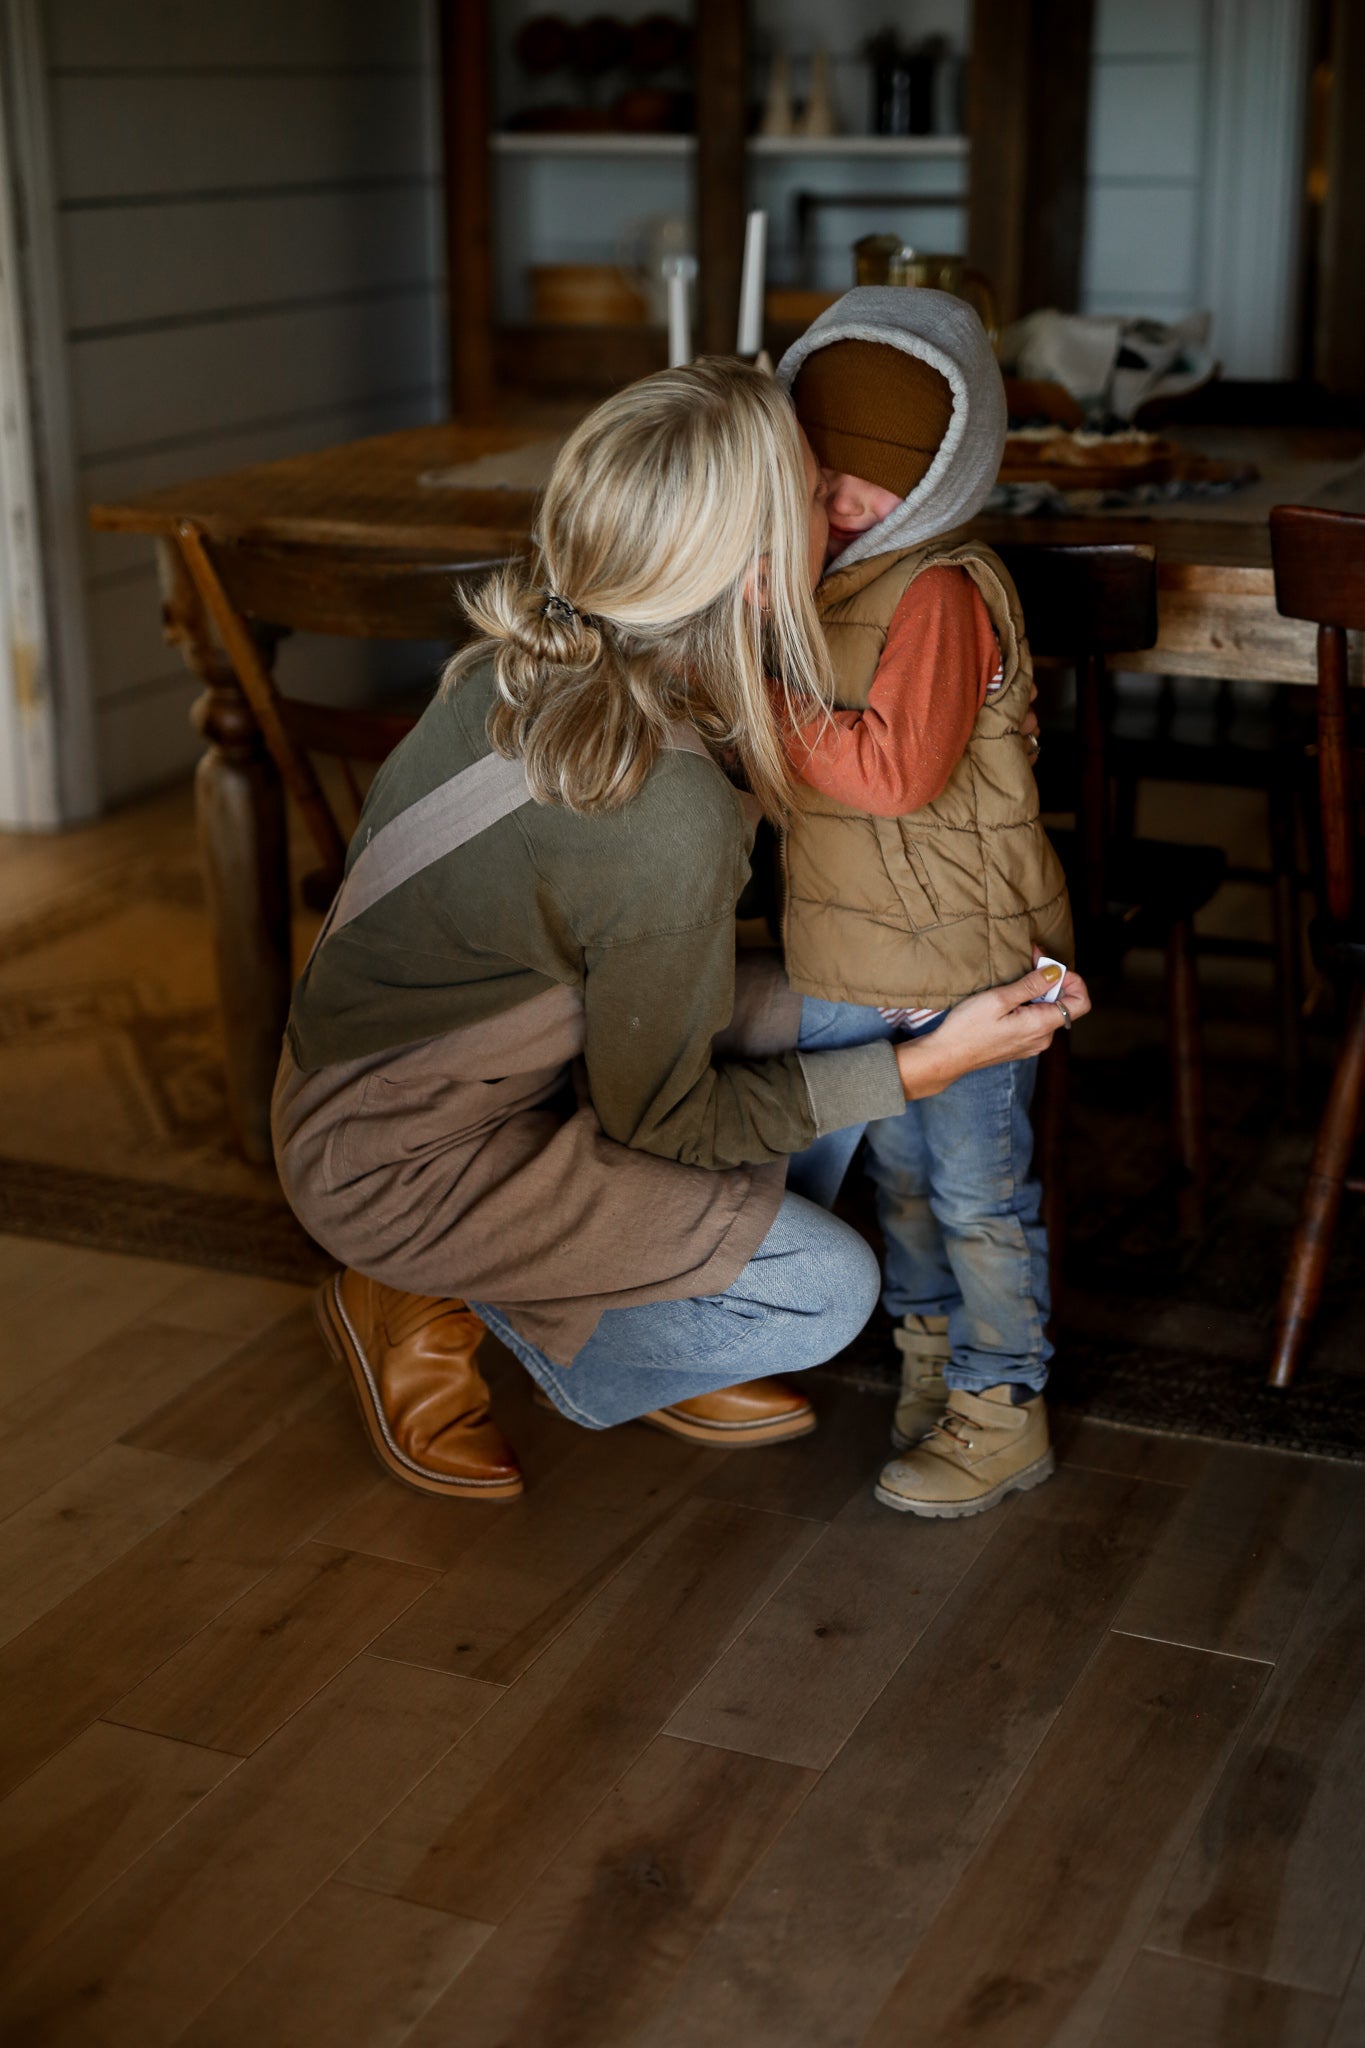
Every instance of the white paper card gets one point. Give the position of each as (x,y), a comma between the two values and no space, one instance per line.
(1056,987)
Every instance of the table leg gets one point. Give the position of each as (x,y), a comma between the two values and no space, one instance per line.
(239,802)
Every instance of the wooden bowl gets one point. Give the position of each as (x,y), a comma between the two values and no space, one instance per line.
(584,295)
(788,307)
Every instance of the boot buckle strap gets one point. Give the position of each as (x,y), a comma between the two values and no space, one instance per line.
(955,1426)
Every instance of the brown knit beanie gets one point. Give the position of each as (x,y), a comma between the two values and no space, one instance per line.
(872,411)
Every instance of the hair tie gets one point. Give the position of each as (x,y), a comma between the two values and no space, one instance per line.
(558,608)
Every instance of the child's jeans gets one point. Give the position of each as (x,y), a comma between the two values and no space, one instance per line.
(959,1206)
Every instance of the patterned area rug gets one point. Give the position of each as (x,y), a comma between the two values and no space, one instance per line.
(114,1129)
(114,1133)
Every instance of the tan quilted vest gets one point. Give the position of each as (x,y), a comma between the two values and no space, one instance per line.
(927,908)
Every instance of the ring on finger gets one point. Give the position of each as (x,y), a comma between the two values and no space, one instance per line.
(1066,1014)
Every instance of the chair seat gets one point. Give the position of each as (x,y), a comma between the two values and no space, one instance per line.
(1243,760)
(1150,885)
(1249,757)
(356,732)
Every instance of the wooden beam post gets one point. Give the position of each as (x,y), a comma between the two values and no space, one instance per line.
(1340,327)
(1059,137)
(997,122)
(1029,119)
(466,116)
(722,127)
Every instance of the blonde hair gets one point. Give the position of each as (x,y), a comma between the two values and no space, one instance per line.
(664,503)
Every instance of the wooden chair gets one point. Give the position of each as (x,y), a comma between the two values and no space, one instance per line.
(1081,605)
(1319,562)
(257,592)
(1230,744)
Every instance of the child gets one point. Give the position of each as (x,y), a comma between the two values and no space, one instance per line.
(917,872)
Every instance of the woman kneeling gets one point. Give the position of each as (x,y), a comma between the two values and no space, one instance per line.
(521,1068)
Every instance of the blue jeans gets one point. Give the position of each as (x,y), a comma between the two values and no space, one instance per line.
(804,1295)
(959,1207)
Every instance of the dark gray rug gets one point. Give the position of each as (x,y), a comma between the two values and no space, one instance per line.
(1151,1333)
(153,1220)
(1158,1334)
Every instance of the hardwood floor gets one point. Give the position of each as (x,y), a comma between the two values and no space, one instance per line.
(683,1750)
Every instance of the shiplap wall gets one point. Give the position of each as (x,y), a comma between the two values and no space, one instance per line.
(1193,192)
(247,225)
(1144,193)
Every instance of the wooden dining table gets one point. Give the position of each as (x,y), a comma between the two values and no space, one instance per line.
(471,489)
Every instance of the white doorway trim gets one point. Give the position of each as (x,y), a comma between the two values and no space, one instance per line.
(1253,183)
(48,773)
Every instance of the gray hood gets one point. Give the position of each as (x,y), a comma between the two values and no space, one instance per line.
(944,332)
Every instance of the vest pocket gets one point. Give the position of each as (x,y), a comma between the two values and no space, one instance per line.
(907,873)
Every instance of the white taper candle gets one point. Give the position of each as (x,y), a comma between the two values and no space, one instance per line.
(750,339)
(679,271)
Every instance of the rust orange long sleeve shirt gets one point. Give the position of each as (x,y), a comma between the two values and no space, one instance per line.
(940,660)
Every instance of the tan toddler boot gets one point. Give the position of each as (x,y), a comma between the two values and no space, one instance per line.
(982,1448)
(923,1344)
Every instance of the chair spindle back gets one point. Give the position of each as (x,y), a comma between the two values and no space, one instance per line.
(1319,562)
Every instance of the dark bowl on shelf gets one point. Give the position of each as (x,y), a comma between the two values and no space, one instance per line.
(651,110)
(546,43)
(660,42)
(603,45)
(562,120)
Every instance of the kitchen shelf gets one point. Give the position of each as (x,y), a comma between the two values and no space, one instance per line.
(530,142)
(859,145)
(1025,198)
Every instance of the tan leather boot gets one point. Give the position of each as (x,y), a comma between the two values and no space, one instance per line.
(733,1418)
(422,1398)
(923,1345)
(983,1448)
(738,1418)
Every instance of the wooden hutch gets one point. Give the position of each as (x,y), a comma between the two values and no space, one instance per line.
(1027,110)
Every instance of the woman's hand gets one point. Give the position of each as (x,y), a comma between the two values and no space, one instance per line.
(999,1024)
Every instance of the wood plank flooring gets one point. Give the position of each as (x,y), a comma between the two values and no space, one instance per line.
(683,1750)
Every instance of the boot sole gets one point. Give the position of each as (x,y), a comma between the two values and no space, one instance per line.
(957,1510)
(341,1343)
(733,1436)
(730,1436)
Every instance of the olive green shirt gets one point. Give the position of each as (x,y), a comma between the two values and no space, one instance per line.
(633,907)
